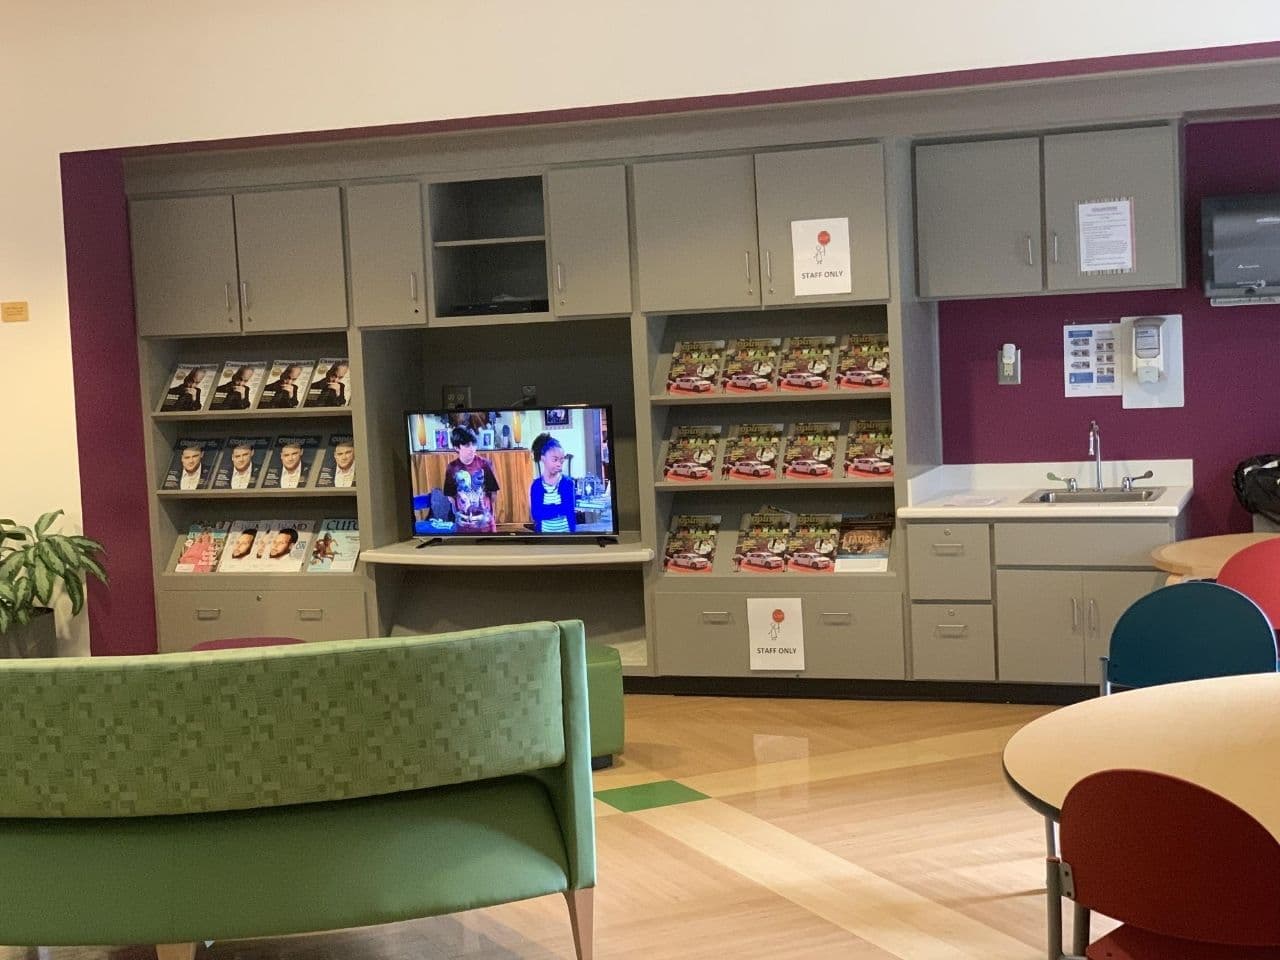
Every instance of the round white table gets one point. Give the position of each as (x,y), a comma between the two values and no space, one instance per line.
(1223,734)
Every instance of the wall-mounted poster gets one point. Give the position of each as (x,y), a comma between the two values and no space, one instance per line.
(1090,365)
(820,256)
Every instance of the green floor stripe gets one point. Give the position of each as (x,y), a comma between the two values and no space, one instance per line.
(646,796)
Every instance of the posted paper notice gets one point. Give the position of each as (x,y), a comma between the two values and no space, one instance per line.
(1106,236)
(820,255)
(776,633)
(1090,360)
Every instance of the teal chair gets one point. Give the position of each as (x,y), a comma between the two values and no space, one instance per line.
(1188,631)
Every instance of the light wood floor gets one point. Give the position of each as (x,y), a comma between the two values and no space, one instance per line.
(833,829)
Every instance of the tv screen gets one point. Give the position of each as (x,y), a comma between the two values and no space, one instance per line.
(534,472)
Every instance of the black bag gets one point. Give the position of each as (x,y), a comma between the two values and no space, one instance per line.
(1257,485)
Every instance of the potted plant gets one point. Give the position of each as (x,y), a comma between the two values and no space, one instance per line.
(33,562)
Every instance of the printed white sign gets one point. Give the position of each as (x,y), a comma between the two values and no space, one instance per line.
(820,255)
(1106,236)
(1090,360)
(776,633)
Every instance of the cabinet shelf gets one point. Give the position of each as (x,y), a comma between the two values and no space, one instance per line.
(346,492)
(750,583)
(777,396)
(629,550)
(301,413)
(490,241)
(841,483)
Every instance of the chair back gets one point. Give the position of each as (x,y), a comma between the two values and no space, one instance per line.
(1190,631)
(1255,572)
(1172,858)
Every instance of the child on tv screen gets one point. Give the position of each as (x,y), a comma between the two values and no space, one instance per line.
(551,495)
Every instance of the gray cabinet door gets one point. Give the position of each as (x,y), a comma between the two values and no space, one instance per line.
(696,234)
(1040,626)
(590,246)
(854,635)
(949,561)
(1140,165)
(1108,594)
(823,184)
(978,218)
(384,230)
(952,642)
(184,266)
(292,275)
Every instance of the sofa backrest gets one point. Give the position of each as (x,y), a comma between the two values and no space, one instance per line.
(236,729)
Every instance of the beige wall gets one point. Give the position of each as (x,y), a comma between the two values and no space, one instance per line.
(129,72)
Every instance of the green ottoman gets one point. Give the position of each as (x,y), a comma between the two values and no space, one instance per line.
(604,701)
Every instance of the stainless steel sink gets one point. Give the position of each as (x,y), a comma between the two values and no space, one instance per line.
(1110,495)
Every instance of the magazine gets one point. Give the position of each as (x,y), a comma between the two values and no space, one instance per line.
(806,363)
(812,545)
(869,452)
(331,386)
(200,548)
(691,455)
(864,542)
(289,464)
(336,547)
(283,547)
(863,361)
(286,384)
(695,366)
(762,542)
(752,452)
(190,386)
(691,544)
(751,365)
(192,464)
(338,467)
(243,541)
(240,466)
(239,384)
(811,451)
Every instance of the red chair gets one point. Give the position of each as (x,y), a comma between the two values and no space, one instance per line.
(1255,572)
(1189,874)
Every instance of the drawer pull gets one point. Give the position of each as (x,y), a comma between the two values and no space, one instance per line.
(715,616)
(310,613)
(837,619)
(208,613)
(948,549)
(952,631)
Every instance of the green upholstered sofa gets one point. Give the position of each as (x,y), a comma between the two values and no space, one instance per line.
(276,790)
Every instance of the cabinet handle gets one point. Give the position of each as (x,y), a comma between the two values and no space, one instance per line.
(226,292)
(1075,614)
(715,616)
(746,259)
(1055,246)
(768,263)
(948,549)
(1031,257)
(837,619)
(559,277)
(413,286)
(244,299)
(208,613)
(953,631)
(1093,615)
(310,613)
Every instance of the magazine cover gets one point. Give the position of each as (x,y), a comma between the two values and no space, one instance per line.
(190,387)
(286,384)
(239,384)
(806,364)
(691,543)
(762,542)
(691,455)
(812,546)
(864,542)
(863,361)
(331,386)
(283,546)
(752,452)
(243,539)
(201,547)
(336,547)
(870,449)
(240,466)
(811,450)
(192,464)
(289,465)
(751,365)
(338,467)
(695,366)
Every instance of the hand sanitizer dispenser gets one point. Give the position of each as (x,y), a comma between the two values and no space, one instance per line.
(1148,349)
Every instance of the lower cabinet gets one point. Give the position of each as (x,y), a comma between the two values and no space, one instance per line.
(846,635)
(952,641)
(188,617)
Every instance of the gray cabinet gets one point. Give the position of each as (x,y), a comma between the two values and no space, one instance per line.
(384,235)
(978,218)
(1108,594)
(949,561)
(590,245)
(952,641)
(187,617)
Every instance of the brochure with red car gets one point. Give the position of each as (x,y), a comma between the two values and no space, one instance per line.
(812,545)
(762,542)
(862,363)
(810,452)
(752,452)
(870,449)
(695,366)
(691,543)
(691,454)
(751,365)
(806,364)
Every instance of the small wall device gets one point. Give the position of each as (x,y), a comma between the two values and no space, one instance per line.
(1148,349)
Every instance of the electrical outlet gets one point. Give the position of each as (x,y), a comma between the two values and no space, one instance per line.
(456,396)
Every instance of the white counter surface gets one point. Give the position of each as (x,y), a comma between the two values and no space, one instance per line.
(995,491)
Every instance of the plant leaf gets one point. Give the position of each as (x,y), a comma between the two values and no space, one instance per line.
(22,615)
(75,592)
(87,545)
(66,549)
(5,620)
(7,594)
(11,535)
(42,581)
(22,591)
(92,566)
(46,521)
(57,566)
(12,564)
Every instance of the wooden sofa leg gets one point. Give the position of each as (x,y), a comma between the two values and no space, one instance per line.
(580,908)
(175,951)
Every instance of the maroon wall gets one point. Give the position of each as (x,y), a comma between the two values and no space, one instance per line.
(1232,359)
(104,359)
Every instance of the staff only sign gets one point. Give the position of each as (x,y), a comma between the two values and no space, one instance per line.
(776,633)
(820,254)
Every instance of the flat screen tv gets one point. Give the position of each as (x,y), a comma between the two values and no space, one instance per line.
(537,472)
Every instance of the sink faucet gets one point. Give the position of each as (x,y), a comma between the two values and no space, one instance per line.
(1095,451)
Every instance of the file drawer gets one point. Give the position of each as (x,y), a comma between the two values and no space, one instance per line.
(952,641)
(949,561)
(188,617)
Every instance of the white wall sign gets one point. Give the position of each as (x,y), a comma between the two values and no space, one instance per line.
(776,633)
(820,256)
(1090,360)
(1106,236)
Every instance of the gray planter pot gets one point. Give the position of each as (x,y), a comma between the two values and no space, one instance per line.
(36,639)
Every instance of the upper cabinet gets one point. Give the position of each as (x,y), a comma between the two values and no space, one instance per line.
(590,246)
(980,232)
(716,232)
(384,232)
(255,262)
